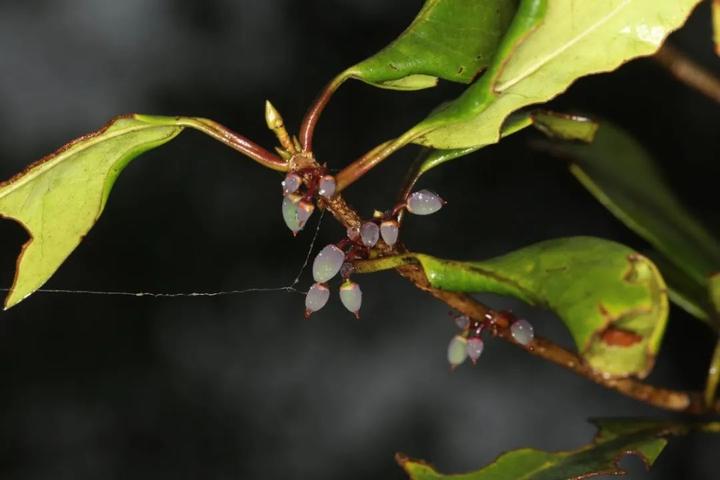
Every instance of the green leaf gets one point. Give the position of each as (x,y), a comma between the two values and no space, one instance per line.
(449,39)
(565,127)
(623,177)
(612,299)
(548,46)
(59,198)
(615,439)
(684,291)
(554,124)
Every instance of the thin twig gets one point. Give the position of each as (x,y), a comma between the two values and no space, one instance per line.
(236,142)
(675,400)
(307,127)
(688,71)
(681,401)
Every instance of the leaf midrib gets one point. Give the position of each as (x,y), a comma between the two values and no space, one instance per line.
(554,54)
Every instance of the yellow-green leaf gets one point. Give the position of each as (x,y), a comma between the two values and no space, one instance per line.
(554,124)
(612,299)
(549,45)
(59,198)
(615,439)
(449,39)
(622,175)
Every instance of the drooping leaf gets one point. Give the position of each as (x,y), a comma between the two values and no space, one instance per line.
(547,47)
(449,39)
(622,176)
(59,198)
(615,439)
(684,291)
(612,299)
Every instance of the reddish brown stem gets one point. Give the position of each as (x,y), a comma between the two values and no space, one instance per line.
(236,142)
(307,127)
(681,401)
(675,400)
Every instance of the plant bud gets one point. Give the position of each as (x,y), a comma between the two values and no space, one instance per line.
(463,322)
(351,297)
(327,263)
(424,202)
(291,183)
(457,351)
(389,230)
(316,298)
(522,332)
(475,348)
(326,187)
(370,234)
(353,233)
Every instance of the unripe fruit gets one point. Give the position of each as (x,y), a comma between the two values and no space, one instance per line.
(291,183)
(327,263)
(370,234)
(475,348)
(316,298)
(296,212)
(457,351)
(522,332)
(424,202)
(326,186)
(389,230)
(351,297)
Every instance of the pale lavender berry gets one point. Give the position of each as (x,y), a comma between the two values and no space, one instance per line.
(522,332)
(327,263)
(326,187)
(457,351)
(389,230)
(475,348)
(291,183)
(316,298)
(351,297)
(424,202)
(370,234)
(463,322)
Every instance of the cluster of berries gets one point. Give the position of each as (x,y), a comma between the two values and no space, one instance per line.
(469,342)
(299,188)
(297,205)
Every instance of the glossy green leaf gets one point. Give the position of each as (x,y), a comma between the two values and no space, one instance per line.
(554,124)
(449,39)
(59,198)
(623,177)
(548,46)
(615,439)
(612,299)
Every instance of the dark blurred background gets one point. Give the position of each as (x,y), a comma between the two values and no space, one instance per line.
(103,387)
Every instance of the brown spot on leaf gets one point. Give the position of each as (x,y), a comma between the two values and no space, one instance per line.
(618,337)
